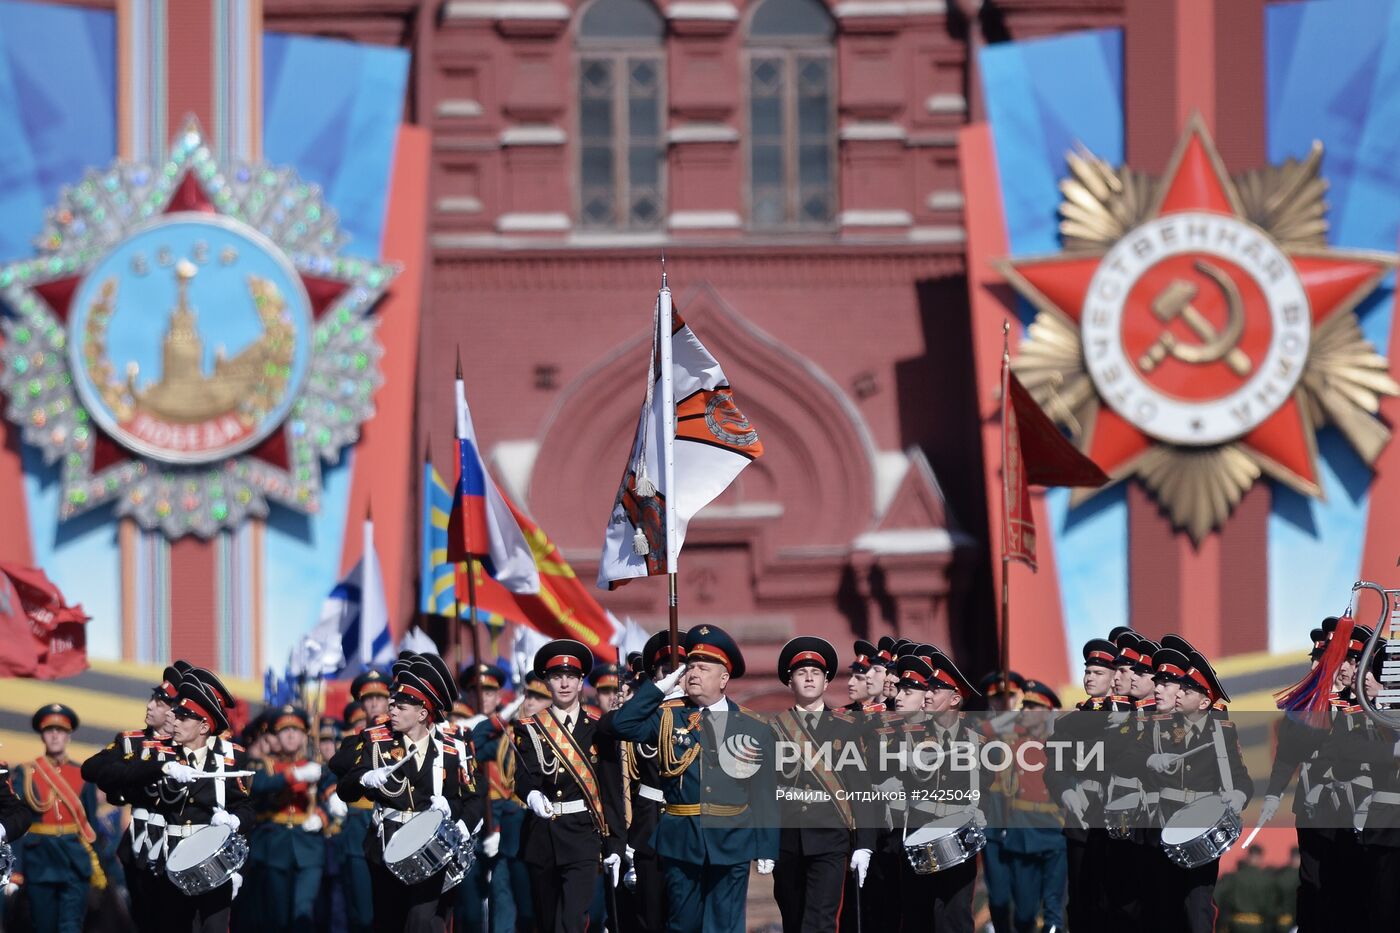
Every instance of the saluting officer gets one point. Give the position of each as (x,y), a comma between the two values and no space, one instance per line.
(570,779)
(184,803)
(717,773)
(826,822)
(1191,754)
(105,770)
(643,902)
(289,832)
(407,767)
(55,862)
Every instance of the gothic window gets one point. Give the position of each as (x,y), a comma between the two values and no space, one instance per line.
(792,115)
(621,78)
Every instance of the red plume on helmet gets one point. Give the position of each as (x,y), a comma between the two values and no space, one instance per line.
(1312,695)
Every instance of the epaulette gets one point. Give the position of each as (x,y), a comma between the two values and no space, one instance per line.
(1143,704)
(1163,717)
(381,719)
(873,708)
(1226,722)
(672,704)
(380,734)
(448,748)
(892,716)
(914,727)
(592,715)
(139,733)
(526,720)
(844,715)
(885,730)
(1355,708)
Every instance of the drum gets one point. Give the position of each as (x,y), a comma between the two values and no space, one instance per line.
(1201,832)
(1124,814)
(206,859)
(945,842)
(427,844)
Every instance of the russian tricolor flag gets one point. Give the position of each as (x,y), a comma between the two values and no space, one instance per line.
(481,526)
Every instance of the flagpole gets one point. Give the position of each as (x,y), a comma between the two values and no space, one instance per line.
(1005,513)
(471,568)
(668,458)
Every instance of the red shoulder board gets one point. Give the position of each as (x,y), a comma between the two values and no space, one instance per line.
(449,748)
(592,715)
(527,721)
(1162,717)
(884,730)
(139,733)
(873,708)
(672,704)
(380,734)
(913,727)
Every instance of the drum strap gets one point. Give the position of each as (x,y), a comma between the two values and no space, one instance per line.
(218,751)
(155,826)
(1222,759)
(790,727)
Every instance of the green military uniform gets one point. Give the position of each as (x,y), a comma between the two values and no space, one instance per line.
(1248,899)
(288,840)
(720,812)
(55,862)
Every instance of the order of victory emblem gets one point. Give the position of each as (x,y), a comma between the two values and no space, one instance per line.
(1197,330)
(190,345)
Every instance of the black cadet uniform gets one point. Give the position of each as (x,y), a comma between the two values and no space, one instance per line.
(565,764)
(823,800)
(356,827)
(1131,857)
(440,770)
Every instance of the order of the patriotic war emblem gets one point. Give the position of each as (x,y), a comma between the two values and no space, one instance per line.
(190,345)
(1197,330)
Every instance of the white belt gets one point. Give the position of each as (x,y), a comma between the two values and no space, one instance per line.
(562,807)
(1387,797)
(184,832)
(650,793)
(1094,786)
(398,816)
(1187,796)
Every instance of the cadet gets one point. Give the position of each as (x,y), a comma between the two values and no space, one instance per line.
(369,706)
(288,837)
(643,902)
(55,862)
(570,780)
(1183,775)
(825,828)
(495,760)
(604,679)
(1034,846)
(1130,855)
(105,770)
(720,812)
(866,687)
(1001,692)
(436,773)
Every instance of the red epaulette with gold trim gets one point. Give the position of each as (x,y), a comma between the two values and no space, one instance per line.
(381,719)
(874,708)
(1163,717)
(592,715)
(449,748)
(672,704)
(380,734)
(885,730)
(139,733)
(526,720)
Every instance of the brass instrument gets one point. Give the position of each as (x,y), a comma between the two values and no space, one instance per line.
(1385,709)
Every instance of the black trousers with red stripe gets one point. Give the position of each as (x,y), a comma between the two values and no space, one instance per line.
(808,890)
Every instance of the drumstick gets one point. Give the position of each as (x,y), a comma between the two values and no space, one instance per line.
(1250,838)
(223,774)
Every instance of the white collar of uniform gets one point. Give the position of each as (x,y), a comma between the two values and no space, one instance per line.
(719,706)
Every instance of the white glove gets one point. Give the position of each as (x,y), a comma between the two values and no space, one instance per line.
(491,845)
(860,864)
(1118,718)
(1161,762)
(237,880)
(439,803)
(2,832)
(313,823)
(765,866)
(979,819)
(668,683)
(539,805)
(1073,803)
(336,807)
(11,888)
(613,865)
(1235,800)
(1268,808)
(375,778)
(179,773)
(308,773)
(631,855)
(224,818)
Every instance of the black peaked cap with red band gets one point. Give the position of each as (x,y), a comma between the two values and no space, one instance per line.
(564,654)
(291,717)
(605,676)
(1201,676)
(808,651)
(445,678)
(1360,634)
(401,663)
(412,686)
(946,675)
(866,655)
(1037,693)
(884,652)
(214,685)
(196,700)
(370,684)
(1169,666)
(55,715)
(658,649)
(169,686)
(1146,649)
(1100,652)
(1117,632)
(714,644)
(1176,643)
(1318,637)
(1127,643)
(914,672)
(353,714)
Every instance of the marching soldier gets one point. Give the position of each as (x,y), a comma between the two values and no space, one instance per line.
(105,769)
(506,892)
(866,687)
(1034,846)
(184,803)
(1081,793)
(643,902)
(482,682)
(406,767)
(1347,796)
(716,763)
(1128,858)
(288,839)
(825,827)
(570,780)
(1001,692)
(369,706)
(55,863)
(1191,754)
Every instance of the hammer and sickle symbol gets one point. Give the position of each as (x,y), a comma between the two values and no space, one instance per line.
(1175,301)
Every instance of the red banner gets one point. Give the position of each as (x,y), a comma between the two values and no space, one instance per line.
(1033,451)
(41,636)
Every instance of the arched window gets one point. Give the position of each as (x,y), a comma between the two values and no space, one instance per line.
(621,77)
(792,115)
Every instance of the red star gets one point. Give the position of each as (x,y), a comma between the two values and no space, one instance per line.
(189,196)
(1334,281)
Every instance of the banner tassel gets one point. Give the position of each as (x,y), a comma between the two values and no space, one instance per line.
(640,545)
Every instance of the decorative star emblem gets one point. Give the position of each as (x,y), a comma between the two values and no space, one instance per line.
(261,421)
(1197,330)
